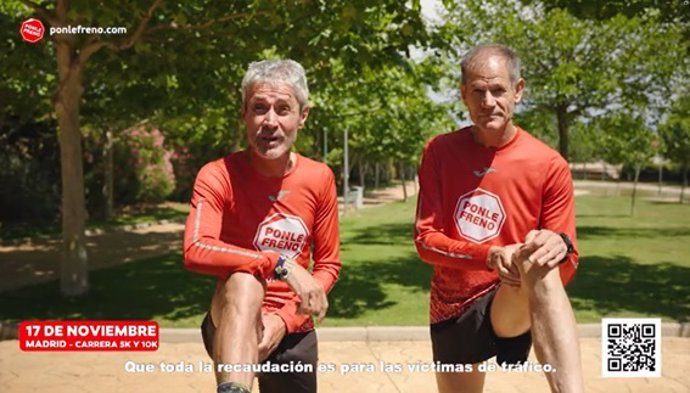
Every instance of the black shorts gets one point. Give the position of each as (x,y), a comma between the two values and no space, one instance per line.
(295,347)
(470,338)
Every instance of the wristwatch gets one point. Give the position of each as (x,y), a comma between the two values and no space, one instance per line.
(281,271)
(568,244)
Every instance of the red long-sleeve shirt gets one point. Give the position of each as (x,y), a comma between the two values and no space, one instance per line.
(472,197)
(241,221)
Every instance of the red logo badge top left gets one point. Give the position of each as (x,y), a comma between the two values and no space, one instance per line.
(32,30)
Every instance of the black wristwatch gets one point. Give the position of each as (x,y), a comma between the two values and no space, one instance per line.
(281,271)
(568,244)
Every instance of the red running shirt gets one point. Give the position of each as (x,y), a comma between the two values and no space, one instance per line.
(472,197)
(241,221)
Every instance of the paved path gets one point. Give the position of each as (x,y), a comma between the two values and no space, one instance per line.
(102,372)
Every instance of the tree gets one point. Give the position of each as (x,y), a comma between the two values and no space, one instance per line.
(626,139)
(675,134)
(670,11)
(574,68)
(201,42)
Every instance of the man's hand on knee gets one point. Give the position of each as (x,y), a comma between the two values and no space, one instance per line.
(313,299)
(501,260)
(273,333)
(549,248)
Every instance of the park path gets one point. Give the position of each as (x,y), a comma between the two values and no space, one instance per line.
(36,260)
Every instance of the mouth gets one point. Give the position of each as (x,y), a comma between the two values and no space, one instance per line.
(269,140)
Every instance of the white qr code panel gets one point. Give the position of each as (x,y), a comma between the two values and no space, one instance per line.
(630,347)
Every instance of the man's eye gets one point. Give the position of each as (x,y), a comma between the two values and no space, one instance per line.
(260,108)
(283,110)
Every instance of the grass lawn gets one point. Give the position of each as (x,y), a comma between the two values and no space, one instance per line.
(125,216)
(629,267)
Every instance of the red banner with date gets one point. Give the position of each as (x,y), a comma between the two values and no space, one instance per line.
(88,336)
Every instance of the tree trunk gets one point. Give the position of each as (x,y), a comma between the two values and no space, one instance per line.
(634,190)
(73,262)
(362,173)
(562,116)
(376,175)
(108,175)
(401,167)
(685,183)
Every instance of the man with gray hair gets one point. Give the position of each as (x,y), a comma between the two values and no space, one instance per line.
(257,216)
(496,219)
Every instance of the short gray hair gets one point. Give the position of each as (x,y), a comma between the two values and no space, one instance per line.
(512,60)
(286,71)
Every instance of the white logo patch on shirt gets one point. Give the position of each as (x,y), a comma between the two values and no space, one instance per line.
(283,233)
(479,215)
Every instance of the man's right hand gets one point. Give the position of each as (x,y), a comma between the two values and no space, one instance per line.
(501,259)
(313,300)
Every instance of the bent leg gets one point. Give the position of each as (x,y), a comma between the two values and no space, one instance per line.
(236,310)
(541,302)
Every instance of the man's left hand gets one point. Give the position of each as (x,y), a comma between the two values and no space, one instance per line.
(550,247)
(274,332)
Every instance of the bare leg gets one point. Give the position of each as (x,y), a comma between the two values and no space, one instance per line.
(541,302)
(472,382)
(236,310)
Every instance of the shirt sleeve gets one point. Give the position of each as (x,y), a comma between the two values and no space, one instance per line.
(326,250)
(434,246)
(204,252)
(558,211)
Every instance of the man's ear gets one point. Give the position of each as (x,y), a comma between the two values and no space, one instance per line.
(519,89)
(304,115)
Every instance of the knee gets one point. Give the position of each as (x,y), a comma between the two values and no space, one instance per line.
(540,279)
(242,294)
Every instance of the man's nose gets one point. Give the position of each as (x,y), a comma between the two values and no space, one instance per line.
(488,100)
(270,118)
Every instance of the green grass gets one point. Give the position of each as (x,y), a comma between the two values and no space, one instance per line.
(629,267)
(632,266)
(127,216)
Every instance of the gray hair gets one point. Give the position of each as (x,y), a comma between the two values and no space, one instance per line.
(286,71)
(512,60)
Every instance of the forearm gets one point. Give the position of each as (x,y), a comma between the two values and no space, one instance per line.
(437,249)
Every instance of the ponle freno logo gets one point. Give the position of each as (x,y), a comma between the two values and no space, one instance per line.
(32,30)
(479,215)
(282,233)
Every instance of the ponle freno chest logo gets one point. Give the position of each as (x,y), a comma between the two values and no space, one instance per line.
(479,215)
(283,233)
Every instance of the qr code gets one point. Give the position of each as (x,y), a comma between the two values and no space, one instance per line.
(631,347)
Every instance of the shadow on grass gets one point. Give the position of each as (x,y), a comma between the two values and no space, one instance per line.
(149,289)
(607,285)
(675,202)
(362,285)
(587,232)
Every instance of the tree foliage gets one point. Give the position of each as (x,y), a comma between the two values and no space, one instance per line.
(575,68)
(178,62)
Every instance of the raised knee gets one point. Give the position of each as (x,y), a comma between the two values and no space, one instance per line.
(242,293)
(540,279)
